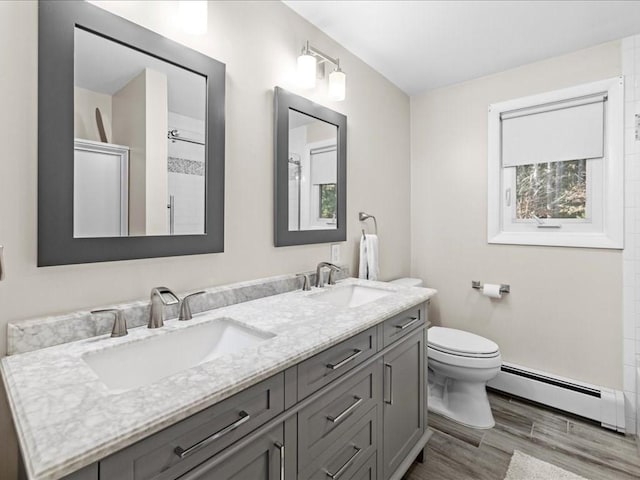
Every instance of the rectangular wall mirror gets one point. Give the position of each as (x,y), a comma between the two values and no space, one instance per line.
(310,173)
(131,141)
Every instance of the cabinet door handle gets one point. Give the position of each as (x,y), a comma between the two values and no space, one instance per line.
(347,411)
(390,369)
(280,447)
(408,324)
(356,352)
(341,470)
(244,418)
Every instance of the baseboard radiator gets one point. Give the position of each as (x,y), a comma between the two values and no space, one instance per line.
(601,404)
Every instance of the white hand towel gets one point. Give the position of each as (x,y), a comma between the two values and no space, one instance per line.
(369,257)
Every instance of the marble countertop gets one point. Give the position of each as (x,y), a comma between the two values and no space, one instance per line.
(66,418)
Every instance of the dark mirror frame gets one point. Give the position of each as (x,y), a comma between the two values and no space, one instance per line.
(56,243)
(283,102)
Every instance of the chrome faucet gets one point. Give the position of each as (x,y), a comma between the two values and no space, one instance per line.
(160,296)
(319,279)
(185,308)
(119,321)
(306,284)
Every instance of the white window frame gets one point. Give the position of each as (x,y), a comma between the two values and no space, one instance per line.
(605,178)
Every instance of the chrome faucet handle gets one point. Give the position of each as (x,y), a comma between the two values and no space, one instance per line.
(306,284)
(119,321)
(334,269)
(160,296)
(185,308)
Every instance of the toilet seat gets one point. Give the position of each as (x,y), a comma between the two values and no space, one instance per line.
(460,343)
(455,360)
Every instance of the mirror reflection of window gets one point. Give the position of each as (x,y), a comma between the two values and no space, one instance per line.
(313,167)
(140,142)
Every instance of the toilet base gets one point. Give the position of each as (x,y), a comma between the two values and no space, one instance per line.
(461,401)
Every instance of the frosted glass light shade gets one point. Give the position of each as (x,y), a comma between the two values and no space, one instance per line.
(307,71)
(337,85)
(193,16)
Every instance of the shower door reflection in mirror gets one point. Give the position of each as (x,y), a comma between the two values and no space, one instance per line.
(313,170)
(140,142)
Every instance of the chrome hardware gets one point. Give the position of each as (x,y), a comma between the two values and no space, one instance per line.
(387,365)
(347,411)
(158,301)
(342,469)
(319,279)
(280,447)
(119,321)
(504,288)
(540,223)
(244,418)
(172,214)
(365,216)
(408,324)
(306,284)
(185,308)
(2,274)
(356,352)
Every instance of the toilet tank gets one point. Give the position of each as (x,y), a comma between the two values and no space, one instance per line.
(408,282)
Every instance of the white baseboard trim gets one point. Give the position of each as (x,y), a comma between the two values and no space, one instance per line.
(601,404)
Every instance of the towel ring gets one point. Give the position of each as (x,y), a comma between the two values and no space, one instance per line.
(365,216)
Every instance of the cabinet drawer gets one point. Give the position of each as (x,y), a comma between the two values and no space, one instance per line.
(326,366)
(402,324)
(348,453)
(368,471)
(177,449)
(326,420)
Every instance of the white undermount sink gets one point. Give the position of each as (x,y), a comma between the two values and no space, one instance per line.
(350,296)
(143,362)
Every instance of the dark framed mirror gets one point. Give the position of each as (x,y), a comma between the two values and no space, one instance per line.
(310,171)
(130,141)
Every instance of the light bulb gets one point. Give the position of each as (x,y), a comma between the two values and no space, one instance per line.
(307,71)
(337,85)
(193,16)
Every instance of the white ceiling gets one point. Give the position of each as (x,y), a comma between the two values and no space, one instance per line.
(421,45)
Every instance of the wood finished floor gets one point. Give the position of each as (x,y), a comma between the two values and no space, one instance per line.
(455,452)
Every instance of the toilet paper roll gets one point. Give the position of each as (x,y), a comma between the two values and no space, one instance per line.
(491,290)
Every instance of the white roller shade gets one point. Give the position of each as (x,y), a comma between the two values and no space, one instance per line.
(324,167)
(568,131)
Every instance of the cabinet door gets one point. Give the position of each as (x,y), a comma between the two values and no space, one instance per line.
(263,458)
(403,400)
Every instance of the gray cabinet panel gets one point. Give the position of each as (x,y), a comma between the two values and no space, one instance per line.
(155,457)
(87,473)
(328,365)
(406,322)
(327,419)
(403,400)
(368,471)
(348,453)
(261,459)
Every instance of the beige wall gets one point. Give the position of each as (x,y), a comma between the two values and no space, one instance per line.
(564,314)
(84,109)
(259,43)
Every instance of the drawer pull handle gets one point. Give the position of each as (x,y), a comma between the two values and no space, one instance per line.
(408,324)
(390,368)
(356,353)
(280,447)
(244,418)
(336,475)
(347,411)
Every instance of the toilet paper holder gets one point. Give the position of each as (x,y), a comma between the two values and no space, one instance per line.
(504,288)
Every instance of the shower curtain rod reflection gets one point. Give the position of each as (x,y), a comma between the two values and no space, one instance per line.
(175,135)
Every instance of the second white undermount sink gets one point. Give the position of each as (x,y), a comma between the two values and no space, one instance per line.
(135,364)
(349,296)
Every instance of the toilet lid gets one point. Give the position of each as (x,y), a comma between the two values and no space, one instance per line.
(460,342)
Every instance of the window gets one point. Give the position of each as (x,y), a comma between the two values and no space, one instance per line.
(556,168)
(328,201)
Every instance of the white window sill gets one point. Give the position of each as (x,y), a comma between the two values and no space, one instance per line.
(557,239)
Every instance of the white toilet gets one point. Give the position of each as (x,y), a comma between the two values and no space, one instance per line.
(460,365)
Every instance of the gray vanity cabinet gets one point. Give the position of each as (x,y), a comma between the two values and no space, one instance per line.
(403,400)
(263,458)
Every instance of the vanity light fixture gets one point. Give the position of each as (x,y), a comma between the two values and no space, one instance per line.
(311,66)
(193,16)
